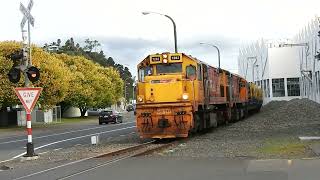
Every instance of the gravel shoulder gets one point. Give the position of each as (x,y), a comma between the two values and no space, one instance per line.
(271,133)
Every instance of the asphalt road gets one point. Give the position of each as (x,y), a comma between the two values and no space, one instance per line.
(56,139)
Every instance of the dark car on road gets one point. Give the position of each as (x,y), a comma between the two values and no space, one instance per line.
(109,116)
(130,108)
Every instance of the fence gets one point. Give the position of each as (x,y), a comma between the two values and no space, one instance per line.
(38,116)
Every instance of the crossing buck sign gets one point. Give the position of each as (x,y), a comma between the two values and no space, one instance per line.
(26,14)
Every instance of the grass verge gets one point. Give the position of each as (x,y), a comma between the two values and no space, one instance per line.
(284,147)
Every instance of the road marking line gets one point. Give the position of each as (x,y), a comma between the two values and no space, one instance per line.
(56,142)
(40,137)
(57,149)
(122,135)
(309,138)
(44,152)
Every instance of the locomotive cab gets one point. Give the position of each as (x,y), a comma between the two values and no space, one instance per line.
(165,92)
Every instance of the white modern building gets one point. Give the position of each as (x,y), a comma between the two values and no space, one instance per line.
(274,66)
(309,40)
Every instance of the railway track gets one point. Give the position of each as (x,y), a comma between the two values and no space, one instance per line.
(105,159)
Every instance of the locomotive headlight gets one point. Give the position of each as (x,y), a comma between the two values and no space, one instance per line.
(185,96)
(140,99)
(164,56)
(165,60)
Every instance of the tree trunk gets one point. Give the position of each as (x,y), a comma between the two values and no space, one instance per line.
(64,106)
(83,111)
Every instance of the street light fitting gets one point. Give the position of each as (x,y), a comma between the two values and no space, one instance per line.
(212,45)
(174,27)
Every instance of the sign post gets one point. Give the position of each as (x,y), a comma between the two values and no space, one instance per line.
(28,98)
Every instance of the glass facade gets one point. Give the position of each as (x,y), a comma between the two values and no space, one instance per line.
(278,89)
(293,86)
(317,82)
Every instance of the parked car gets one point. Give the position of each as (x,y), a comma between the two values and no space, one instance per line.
(109,116)
(130,108)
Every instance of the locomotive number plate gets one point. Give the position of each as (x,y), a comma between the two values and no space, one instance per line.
(155,59)
(163,111)
(175,58)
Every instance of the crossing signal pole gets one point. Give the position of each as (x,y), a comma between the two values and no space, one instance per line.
(22,63)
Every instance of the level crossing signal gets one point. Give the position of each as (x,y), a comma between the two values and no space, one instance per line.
(14,75)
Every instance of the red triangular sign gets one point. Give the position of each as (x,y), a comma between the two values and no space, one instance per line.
(28,97)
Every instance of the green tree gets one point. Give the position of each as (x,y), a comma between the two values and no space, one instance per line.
(92,85)
(89,52)
(54,78)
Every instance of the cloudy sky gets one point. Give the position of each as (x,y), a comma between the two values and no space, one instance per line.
(129,36)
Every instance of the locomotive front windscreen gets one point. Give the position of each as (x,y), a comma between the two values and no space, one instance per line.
(169,68)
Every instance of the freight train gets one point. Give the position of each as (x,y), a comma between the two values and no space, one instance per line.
(177,95)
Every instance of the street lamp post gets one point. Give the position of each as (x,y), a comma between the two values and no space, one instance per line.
(174,27)
(125,91)
(302,82)
(216,49)
(253,65)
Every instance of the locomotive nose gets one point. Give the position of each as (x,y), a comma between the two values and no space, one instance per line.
(167,88)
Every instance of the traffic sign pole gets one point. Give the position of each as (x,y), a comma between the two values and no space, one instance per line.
(28,62)
(30,148)
(28,98)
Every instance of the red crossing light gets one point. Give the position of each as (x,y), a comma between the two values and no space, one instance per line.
(33,74)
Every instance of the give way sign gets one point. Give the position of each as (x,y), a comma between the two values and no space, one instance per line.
(28,97)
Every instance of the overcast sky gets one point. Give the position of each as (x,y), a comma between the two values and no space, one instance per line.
(128,36)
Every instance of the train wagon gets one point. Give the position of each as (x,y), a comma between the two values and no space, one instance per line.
(178,94)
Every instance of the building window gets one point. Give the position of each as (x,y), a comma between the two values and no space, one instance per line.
(268,88)
(317,82)
(199,72)
(264,88)
(293,86)
(318,86)
(278,87)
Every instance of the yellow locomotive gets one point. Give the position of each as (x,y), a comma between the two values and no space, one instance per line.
(178,94)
